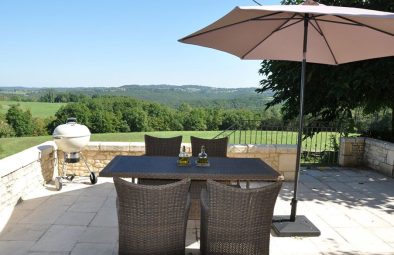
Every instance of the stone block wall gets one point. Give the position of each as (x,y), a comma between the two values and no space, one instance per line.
(379,155)
(99,154)
(282,158)
(22,173)
(351,151)
(360,151)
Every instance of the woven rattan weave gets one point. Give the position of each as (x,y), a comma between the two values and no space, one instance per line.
(213,147)
(152,219)
(157,146)
(236,221)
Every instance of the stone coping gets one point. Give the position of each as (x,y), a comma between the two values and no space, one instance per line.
(384,144)
(25,158)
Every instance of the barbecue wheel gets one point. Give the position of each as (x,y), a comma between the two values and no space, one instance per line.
(58,183)
(93,178)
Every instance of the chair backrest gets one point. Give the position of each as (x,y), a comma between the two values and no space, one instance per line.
(246,213)
(152,219)
(213,147)
(156,146)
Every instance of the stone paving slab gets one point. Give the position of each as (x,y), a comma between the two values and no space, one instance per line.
(59,238)
(353,208)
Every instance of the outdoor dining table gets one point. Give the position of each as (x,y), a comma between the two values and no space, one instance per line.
(167,168)
(163,167)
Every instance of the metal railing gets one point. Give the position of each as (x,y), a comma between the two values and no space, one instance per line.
(320,143)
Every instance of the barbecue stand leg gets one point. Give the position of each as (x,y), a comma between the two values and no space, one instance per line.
(93,178)
(58,180)
(58,183)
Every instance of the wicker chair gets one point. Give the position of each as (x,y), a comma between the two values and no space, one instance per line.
(213,147)
(236,221)
(155,146)
(152,219)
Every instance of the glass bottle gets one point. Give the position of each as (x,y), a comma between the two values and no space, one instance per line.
(183,157)
(202,156)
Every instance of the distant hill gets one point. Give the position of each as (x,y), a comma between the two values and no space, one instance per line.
(170,95)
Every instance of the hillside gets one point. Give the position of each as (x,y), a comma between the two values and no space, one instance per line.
(166,94)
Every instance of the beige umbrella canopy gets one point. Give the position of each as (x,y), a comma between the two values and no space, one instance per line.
(310,32)
(336,35)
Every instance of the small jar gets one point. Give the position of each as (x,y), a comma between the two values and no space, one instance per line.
(202,156)
(183,157)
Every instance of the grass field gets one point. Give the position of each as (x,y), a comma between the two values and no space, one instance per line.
(37,109)
(10,146)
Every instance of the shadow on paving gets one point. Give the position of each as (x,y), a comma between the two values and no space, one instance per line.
(349,187)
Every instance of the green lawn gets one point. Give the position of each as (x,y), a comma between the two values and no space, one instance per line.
(38,109)
(9,146)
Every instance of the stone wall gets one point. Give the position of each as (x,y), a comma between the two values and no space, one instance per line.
(351,151)
(379,155)
(22,173)
(360,151)
(99,154)
(282,158)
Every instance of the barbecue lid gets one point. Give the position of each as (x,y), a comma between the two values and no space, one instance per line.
(71,130)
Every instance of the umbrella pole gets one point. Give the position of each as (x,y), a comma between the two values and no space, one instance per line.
(300,123)
(297,225)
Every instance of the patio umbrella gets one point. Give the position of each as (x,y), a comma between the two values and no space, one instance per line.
(309,32)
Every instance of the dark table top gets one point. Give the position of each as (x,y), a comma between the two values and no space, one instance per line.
(160,167)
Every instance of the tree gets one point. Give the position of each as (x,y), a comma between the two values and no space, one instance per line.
(20,121)
(332,92)
(102,122)
(214,118)
(161,118)
(137,119)
(49,96)
(39,127)
(195,120)
(77,110)
(241,119)
(5,129)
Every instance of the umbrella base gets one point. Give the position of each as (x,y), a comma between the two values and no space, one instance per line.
(283,227)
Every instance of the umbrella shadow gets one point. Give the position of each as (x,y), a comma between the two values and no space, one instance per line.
(349,187)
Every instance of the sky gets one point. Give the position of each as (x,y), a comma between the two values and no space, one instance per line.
(68,43)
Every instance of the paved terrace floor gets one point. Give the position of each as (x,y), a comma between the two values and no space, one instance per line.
(354,209)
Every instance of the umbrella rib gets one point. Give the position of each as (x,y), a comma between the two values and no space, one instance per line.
(229,25)
(356,23)
(320,31)
(365,25)
(292,24)
(339,22)
(274,31)
(262,19)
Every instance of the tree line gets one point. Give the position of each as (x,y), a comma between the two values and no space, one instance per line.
(111,114)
